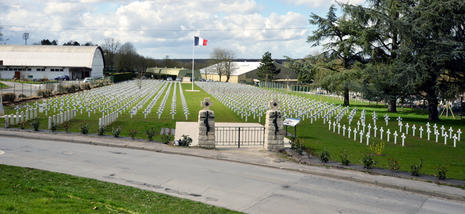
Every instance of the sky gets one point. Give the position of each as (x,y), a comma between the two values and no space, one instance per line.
(160,28)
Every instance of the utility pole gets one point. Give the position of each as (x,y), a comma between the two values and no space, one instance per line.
(25,37)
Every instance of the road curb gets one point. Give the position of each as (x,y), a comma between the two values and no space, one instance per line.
(215,155)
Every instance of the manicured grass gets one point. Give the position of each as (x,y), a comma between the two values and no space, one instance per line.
(24,190)
(141,124)
(2,85)
(317,137)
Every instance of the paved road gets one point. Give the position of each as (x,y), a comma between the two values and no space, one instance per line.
(246,188)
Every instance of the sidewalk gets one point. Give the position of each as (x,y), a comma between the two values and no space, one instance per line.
(257,157)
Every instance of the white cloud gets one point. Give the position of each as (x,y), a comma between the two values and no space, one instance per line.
(321,3)
(165,27)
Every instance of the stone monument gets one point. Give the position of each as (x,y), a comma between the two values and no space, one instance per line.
(274,135)
(206,125)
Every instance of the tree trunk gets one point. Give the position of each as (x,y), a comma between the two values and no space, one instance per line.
(392,105)
(346,97)
(227,78)
(433,107)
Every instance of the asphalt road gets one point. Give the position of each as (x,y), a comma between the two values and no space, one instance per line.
(241,187)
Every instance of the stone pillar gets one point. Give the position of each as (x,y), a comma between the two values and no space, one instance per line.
(6,121)
(2,111)
(274,134)
(206,126)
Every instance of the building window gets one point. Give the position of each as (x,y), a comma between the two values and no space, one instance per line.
(28,69)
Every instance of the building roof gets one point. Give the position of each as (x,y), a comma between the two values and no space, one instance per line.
(166,71)
(48,55)
(239,68)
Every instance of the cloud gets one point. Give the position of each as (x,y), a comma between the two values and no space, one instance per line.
(321,3)
(165,27)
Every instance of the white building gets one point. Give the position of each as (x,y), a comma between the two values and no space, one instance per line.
(35,62)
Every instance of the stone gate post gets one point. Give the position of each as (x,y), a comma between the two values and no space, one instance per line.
(206,126)
(274,134)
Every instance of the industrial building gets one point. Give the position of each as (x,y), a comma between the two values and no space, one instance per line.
(36,62)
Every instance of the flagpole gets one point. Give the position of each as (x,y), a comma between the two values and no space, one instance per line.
(193,46)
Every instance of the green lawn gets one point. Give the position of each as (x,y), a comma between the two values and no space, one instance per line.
(2,85)
(24,190)
(317,137)
(140,124)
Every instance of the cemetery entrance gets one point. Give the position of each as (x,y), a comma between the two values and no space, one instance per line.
(250,136)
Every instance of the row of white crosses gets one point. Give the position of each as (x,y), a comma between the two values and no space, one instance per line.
(163,101)
(58,119)
(247,101)
(173,102)
(29,113)
(184,103)
(152,103)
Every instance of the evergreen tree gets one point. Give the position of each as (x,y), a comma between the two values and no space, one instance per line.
(337,33)
(267,70)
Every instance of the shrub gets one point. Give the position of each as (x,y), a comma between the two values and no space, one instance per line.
(166,138)
(85,86)
(368,161)
(132,133)
(101,131)
(415,168)
(393,164)
(150,133)
(22,125)
(441,172)
(66,126)
(44,93)
(84,128)
(35,124)
(54,127)
(324,156)
(377,147)
(297,146)
(10,97)
(344,158)
(22,96)
(116,132)
(185,141)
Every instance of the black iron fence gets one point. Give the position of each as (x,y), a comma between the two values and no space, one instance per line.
(239,136)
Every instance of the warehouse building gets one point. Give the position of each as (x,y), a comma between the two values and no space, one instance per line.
(36,62)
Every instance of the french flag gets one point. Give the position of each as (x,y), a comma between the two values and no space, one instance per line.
(199,41)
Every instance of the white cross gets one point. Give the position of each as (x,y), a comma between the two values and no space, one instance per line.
(355,134)
(388,133)
(338,128)
(413,129)
(421,131)
(435,128)
(400,126)
(369,127)
(455,140)
(334,126)
(329,125)
(358,124)
(361,137)
(403,139)
(406,128)
(395,137)
(348,133)
(375,129)
(386,119)
(429,132)
(459,132)
(450,132)
(442,130)
(437,135)
(445,138)
(381,134)
(368,138)
(344,130)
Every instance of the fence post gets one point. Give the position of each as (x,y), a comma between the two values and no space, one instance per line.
(239,138)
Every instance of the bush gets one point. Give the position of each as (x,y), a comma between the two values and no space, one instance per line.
(415,168)
(150,133)
(85,86)
(132,133)
(116,132)
(101,131)
(66,126)
(441,172)
(22,125)
(119,77)
(166,138)
(393,164)
(84,128)
(344,158)
(377,147)
(54,127)
(184,141)
(10,97)
(22,96)
(324,156)
(44,93)
(296,145)
(368,161)
(35,124)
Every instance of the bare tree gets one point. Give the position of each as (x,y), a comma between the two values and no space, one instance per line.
(223,64)
(110,48)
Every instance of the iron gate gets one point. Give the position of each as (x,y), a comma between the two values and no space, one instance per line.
(239,136)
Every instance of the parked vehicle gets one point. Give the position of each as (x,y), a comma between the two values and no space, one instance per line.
(62,77)
(88,79)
